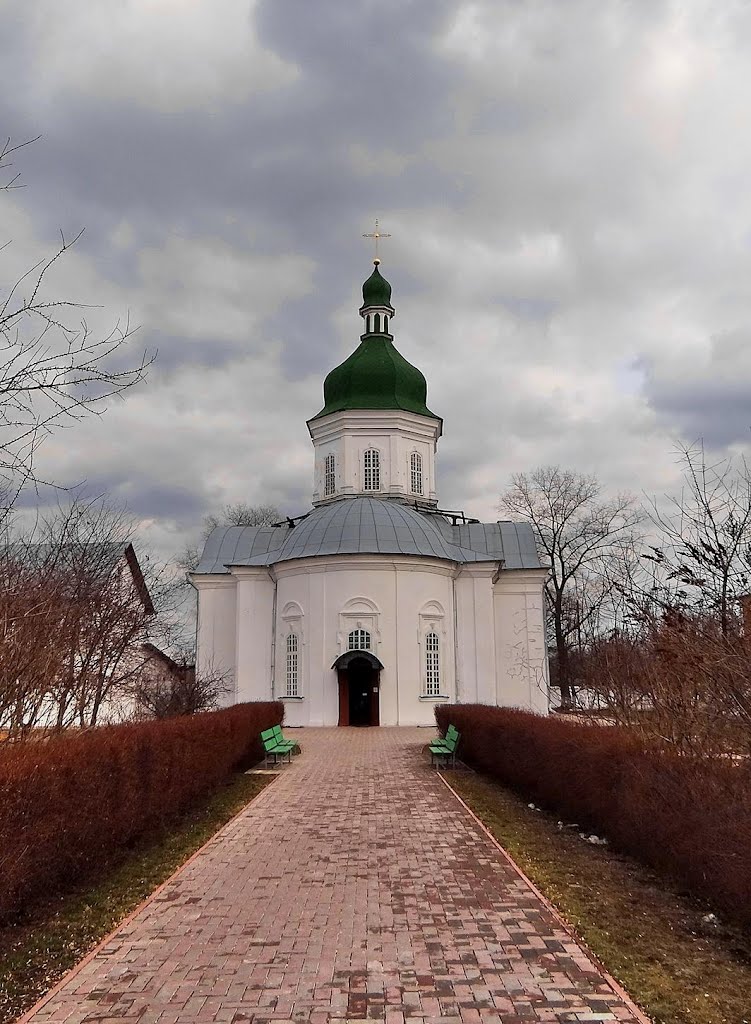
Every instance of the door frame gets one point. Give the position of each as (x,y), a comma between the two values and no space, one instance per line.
(341,665)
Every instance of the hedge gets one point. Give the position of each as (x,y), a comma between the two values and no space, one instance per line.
(688,818)
(70,802)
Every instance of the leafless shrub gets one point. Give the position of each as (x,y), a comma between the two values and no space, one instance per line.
(166,687)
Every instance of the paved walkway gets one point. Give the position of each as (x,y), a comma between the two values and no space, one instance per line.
(354,887)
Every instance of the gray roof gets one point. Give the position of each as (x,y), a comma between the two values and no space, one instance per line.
(375,526)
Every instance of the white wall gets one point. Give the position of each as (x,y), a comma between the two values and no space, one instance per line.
(499,647)
(476,649)
(215,635)
(522,679)
(383,595)
(393,433)
(253,632)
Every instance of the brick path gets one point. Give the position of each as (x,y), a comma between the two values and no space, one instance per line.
(354,887)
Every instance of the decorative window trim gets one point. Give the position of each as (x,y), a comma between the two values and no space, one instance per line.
(415,473)
(329,475)
(371,469)
(431,638)
(359,613)
(433,673)
(292,666)
(293,618)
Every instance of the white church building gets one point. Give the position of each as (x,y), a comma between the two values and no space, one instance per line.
(375,605)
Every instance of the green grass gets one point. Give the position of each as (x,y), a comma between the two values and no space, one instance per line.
(647,934)
(54,935)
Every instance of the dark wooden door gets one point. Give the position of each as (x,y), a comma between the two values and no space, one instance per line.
(343,697)
(359,698)
(375,699)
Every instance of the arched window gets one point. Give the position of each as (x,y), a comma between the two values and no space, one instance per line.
(329,475)
(377,319)
(432,665)
(415,465)
(385,324)
(372,467)
(293,675)
(359,640)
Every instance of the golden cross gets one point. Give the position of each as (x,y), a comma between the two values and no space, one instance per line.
(376,235)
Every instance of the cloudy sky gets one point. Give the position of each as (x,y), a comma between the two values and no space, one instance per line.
(567,184)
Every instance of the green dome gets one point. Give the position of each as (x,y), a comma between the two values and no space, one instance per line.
(376,291)
(375,376)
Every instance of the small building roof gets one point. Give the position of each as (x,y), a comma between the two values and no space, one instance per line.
(98,558)
(365,525)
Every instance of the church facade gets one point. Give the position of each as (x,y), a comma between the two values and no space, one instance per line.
(375,605)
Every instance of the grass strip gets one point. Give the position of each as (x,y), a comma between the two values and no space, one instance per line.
(650,936)
(36,951)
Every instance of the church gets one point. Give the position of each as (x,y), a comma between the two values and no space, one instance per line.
(377,604)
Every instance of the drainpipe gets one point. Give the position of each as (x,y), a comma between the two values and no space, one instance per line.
(456,635)
(273,633)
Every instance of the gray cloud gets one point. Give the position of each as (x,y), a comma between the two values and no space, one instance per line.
(566,185)
(707,396)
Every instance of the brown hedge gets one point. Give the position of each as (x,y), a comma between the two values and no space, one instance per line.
(689,818)
(69,803)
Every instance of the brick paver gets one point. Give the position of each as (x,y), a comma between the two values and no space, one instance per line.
(356,886)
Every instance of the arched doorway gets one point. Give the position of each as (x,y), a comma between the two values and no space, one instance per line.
(358,674)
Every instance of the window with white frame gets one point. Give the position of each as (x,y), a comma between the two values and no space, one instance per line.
(329,475)
(293,666)
(372,470)
(359,640)
(432,665)
(415,465)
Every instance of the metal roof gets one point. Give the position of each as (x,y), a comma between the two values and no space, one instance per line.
(370,526)
(513,543)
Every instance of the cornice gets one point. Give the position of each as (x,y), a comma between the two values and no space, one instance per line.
(210,581)
(364,420)
(343,563)
(242,572)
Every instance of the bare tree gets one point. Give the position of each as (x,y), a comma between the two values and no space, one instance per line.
(29,664)
(582,535)
(76,610)
(53,369)
(703,560)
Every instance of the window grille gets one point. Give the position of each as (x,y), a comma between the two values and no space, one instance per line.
(359,640)
(432,666)
(329,482)
(416,468)
(293,682)
(372,466)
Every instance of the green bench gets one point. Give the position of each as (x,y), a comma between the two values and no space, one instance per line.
(446,748)
(275,745)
